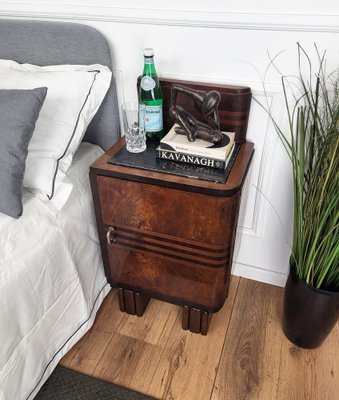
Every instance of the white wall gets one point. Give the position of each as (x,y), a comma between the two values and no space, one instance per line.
(214,42)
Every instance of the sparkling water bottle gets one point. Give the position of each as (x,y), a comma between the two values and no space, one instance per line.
(151,96)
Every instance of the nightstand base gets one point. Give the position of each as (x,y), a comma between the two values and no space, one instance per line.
(132,303)
(195,320)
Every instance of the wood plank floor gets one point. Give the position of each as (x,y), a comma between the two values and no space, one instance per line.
(244,356)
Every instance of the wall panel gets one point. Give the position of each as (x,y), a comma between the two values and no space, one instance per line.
(209,41)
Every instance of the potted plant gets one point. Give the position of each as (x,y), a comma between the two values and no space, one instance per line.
(311,296)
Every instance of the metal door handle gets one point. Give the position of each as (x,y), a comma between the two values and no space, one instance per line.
(110,235)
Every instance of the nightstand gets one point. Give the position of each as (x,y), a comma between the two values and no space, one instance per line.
(168,237)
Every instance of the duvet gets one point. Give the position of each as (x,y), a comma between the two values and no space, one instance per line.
(51,282)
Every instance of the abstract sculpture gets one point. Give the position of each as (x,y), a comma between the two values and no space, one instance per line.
(207,104)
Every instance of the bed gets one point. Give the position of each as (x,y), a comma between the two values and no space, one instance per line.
(52,280)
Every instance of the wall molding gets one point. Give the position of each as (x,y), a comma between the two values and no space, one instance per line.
(172,17)
(259,274)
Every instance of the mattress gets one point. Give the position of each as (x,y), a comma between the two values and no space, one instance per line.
(52,282)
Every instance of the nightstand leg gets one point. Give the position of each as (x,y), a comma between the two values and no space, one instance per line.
(196,320)
(131,302)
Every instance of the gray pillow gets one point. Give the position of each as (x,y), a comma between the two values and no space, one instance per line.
(19,110)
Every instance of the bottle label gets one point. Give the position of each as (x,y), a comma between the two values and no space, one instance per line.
(153,118)
(149,60)
(147,83)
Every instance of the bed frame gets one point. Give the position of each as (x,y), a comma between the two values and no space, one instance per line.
(54,43)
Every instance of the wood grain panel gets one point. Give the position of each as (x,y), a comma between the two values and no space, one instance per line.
(167,243)
(175,281)
(185,253)
(163,239)
(180,214)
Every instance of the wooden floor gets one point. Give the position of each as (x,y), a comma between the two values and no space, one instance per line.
(244,356)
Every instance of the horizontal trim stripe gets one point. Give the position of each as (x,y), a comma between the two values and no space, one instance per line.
(174,17)
(177,257)
(123,238)
(162,238)
(233,122)
(167,248)
(234,114)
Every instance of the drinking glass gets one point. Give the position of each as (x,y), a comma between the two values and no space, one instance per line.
(133,119)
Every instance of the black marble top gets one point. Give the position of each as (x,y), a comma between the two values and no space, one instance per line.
(148,160)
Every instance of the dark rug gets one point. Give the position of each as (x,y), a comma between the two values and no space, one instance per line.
(65,384)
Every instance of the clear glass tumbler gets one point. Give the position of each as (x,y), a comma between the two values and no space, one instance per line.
(133,120)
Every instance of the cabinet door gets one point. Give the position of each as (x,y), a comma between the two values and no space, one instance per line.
(168,279)
(183,216)
(173,244)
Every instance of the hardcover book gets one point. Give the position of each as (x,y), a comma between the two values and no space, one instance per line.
(179,143)
(193,159)
(147,160)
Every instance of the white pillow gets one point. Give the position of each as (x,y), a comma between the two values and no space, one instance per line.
(74,95)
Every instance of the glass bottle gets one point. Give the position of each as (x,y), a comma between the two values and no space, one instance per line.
(150,95)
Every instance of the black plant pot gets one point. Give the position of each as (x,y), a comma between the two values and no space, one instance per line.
(309,314)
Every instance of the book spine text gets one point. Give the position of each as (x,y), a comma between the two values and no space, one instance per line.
(190,159)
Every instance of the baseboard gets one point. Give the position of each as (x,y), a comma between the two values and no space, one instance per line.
(259,274)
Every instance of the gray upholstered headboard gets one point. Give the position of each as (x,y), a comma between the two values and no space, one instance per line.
(54,43)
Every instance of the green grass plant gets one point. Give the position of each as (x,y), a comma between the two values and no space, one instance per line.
(312,143)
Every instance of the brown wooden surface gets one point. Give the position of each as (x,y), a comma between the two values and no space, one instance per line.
(157,277)
(168,237)
(90,349)
(258,362)
(190,220)
(169,242)
(233,108)
(244,356)
(100,223)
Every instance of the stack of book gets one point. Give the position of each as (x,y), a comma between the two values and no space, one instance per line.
(176,147)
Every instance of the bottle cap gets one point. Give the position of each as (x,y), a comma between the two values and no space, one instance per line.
(148,52)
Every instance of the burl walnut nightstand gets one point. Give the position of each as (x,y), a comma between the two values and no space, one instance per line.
(168,237)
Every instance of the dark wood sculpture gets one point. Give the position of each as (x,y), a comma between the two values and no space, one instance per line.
(233,109)
(206,103)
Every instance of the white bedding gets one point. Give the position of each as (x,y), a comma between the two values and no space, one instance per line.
(51,282)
